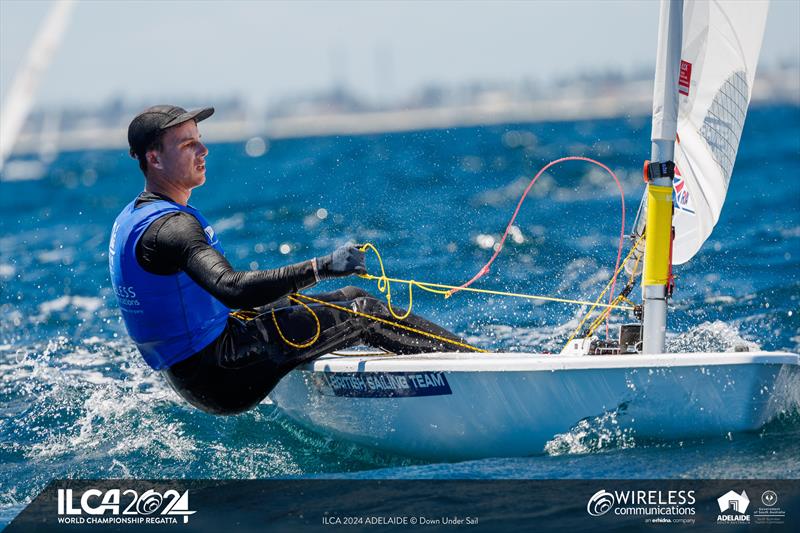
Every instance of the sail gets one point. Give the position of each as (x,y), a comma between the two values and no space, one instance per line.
(22,92)
(720,47)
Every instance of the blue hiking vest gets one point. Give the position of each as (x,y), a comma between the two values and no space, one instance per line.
(169,317)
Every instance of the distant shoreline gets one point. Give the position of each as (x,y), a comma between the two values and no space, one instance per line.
(491,112)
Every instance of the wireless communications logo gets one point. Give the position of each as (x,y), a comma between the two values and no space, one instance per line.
(116,506)
(600,503)
(655,506)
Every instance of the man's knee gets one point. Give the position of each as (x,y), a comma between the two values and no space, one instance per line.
(371,305)
(365,302)
(352,292)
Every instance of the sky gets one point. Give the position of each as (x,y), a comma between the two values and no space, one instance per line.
(263,51)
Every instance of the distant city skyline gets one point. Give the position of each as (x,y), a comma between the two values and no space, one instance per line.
(264,51)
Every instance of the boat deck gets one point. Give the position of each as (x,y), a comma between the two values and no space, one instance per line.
(360,361)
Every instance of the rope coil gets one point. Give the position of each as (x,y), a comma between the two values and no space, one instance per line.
(313,339)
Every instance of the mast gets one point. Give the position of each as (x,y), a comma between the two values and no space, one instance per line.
(659,175)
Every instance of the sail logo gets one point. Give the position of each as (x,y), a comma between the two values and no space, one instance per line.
(733,508)
(681,193)
(116,506)
(685,78)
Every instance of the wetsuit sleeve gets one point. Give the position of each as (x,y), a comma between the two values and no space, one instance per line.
(180,242)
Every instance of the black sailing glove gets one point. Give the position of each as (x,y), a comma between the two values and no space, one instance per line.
(344,261)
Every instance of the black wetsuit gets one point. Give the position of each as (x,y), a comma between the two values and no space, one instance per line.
(237,370)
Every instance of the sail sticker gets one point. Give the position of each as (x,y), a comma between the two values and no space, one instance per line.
(682,199)
(685,78)
(381,384)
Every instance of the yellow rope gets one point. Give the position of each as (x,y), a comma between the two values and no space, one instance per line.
(313,314)
(597,303)
(244,314)
(390,323)
(600,318)
(384,285)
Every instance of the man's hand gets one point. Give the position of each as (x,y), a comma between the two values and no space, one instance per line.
(344,261)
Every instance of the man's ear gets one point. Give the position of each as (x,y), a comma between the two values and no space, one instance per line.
(153,159)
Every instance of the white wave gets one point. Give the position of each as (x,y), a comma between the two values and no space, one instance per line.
(592,435)
(85,303)
(93,401)
(81,358)
(714,336)
(539,339)
(235,221)
(7,271)
(719,299)
(118,419)
(58,255)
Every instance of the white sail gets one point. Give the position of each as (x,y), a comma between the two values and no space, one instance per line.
(721,44)
(19,100)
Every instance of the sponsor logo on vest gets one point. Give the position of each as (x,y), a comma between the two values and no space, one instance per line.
(126,295)
(112,244)
(210,232)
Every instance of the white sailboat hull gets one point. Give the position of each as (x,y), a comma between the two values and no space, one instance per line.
(463,406)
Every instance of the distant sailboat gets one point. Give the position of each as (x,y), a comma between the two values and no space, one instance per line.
(22,93)
(460,406)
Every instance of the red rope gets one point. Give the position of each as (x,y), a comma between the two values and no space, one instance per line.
(483,271)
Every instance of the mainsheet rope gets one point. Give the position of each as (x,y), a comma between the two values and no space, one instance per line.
(384,282)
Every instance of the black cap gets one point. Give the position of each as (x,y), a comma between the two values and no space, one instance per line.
(149,123)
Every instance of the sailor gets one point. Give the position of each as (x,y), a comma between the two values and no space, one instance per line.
(177,291)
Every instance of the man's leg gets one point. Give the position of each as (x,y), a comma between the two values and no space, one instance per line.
(341,329)
(249,358)
(399,340)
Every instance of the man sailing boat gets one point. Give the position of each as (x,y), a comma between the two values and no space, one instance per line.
(176,289)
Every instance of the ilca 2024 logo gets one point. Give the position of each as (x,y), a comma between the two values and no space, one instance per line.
(116,506)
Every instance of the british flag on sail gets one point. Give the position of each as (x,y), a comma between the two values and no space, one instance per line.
(682,199)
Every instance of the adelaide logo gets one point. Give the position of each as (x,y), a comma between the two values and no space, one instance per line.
(733,508)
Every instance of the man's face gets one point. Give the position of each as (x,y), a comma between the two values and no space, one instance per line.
(183,156)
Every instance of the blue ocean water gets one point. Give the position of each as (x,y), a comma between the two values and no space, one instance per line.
(77,401)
